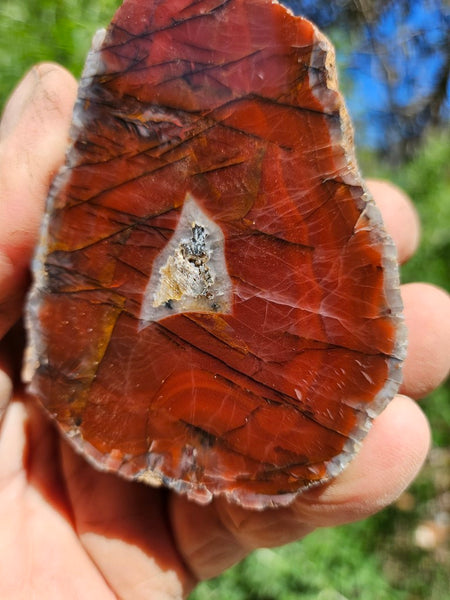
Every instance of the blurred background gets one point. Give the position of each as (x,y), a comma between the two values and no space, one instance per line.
(394,64)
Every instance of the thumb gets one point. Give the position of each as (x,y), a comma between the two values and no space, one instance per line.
(33,137)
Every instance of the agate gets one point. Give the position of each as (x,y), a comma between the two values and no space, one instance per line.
(215,305)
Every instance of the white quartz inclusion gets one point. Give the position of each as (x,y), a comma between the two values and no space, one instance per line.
(190,274)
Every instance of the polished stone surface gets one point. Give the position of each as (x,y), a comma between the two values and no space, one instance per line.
(216,303)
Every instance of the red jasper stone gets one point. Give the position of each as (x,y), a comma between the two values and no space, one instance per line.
(216,304)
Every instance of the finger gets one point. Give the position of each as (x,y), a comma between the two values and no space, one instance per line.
(390,458)
(214,537)
(399,215)
(33,138)
(123,527)
(207,545)
(427,317)
(35,514)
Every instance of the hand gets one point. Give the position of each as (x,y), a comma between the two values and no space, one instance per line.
(68,531)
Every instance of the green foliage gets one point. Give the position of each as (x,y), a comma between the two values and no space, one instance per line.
(426,178)
(47,30)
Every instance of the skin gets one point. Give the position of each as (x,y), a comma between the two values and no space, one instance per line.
(69,531)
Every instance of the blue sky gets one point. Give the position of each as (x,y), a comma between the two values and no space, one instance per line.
(408,44)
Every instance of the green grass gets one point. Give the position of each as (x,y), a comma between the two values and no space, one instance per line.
(329,564)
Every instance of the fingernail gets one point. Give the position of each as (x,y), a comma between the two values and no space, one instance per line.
(18,102)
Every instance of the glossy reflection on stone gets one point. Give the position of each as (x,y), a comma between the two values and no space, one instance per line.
(216,303)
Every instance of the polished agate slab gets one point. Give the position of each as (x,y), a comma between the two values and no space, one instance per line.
(215,305)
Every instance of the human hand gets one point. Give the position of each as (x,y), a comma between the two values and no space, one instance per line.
(67,530)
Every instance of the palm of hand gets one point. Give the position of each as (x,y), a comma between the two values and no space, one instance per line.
(73,529)
(72,532)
